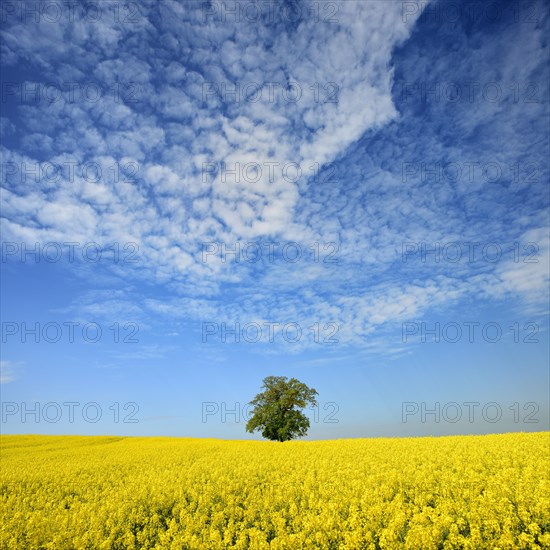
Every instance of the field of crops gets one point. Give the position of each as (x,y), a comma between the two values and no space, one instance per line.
(424,493)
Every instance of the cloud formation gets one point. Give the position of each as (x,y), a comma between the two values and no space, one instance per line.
(203,129)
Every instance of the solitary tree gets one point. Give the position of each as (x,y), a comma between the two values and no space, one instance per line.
(277,410)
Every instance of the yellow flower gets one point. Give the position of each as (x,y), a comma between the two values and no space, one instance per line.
(470,492)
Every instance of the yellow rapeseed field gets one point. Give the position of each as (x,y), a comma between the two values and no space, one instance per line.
(472,492)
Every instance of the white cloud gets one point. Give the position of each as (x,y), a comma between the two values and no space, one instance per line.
(7,372)
(527,272)
(173,129)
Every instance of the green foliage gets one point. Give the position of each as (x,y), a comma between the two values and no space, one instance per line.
(277,410)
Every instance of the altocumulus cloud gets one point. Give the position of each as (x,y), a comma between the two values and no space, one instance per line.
(173,115)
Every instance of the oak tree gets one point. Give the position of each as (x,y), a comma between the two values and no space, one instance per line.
(277,411)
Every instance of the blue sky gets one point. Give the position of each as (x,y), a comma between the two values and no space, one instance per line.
(359,190)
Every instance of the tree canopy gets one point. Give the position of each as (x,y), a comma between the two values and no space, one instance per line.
(277,411)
